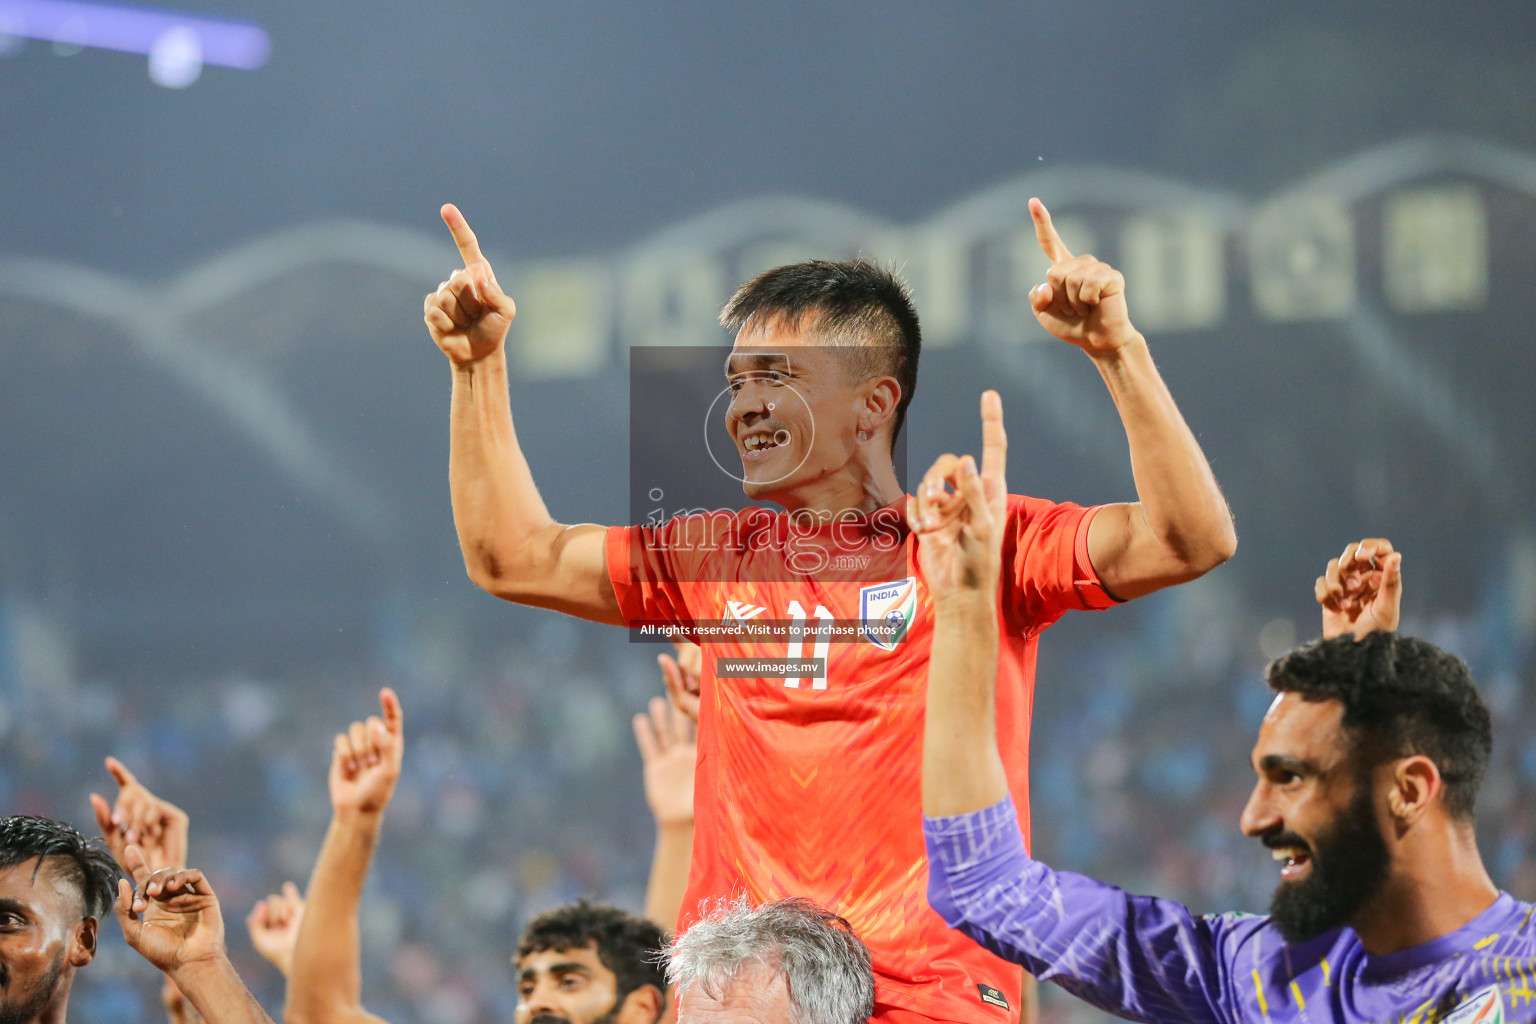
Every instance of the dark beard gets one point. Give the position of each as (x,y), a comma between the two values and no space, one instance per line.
(32,1007)
(1349,867)
(550,1018)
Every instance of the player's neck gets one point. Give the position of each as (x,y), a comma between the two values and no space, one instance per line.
(1437,884)
(857,487)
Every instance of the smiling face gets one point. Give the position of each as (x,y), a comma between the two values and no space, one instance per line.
(1316,810)
(44,936)
(798,409)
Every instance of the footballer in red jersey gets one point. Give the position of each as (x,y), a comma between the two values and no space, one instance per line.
(811,726)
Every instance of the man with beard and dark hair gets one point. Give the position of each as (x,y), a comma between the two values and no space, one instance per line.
(55,886)
(1368,765)
(1391,699)
(590,964)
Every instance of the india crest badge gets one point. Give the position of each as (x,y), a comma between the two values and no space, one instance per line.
(1486,1006)
(886,610)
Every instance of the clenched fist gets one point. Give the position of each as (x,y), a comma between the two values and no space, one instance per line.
(1361,591)
(468,316)
(274,926)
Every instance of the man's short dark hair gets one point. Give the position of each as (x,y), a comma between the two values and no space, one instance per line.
(848,301)
(86,863)
(1401,697)
(627,945)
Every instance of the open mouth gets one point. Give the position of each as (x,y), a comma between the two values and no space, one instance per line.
(1295,862)
(758,444)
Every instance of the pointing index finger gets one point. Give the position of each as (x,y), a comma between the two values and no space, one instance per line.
(120,773)
(994,441)
(463,237)
(394,715)
(1050,242)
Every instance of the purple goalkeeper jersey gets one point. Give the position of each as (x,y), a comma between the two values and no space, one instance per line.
(1153,960)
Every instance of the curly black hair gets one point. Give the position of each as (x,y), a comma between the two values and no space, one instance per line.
(86,862)
(1402,696)
(627,945)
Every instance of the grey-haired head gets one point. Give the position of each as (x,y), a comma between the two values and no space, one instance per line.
(740,953)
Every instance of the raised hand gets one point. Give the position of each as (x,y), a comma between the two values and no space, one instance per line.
(1362,590)
(959,513)
(366,762)
(274,926)
(1083,299)
(665,738)
(138,817)
(468,315)
(170,916)
(683,676)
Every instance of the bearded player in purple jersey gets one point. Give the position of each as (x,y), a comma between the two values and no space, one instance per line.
(1368,765)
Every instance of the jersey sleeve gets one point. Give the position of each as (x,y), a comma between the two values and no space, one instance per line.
(651,569)
(1137,957)
(1046,565)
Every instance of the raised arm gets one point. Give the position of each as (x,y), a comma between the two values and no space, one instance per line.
(160,830)
(1180,527)
(1136,957)
(1139,958)
(667,749)
(325,983)
(959,514)
(512,547)
(172,918)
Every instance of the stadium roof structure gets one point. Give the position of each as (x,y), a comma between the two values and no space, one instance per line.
(267,430)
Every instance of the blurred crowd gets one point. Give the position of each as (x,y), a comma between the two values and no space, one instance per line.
(522,787)
(522,791)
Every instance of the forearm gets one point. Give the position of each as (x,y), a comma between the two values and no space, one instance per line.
(1136,957)
(669,873)
(962,770)
(1181,508)
(177,1009)
(496,506)
(512,547)
(217,993)
(325,977)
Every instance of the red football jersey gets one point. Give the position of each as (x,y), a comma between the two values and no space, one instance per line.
(811,785)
